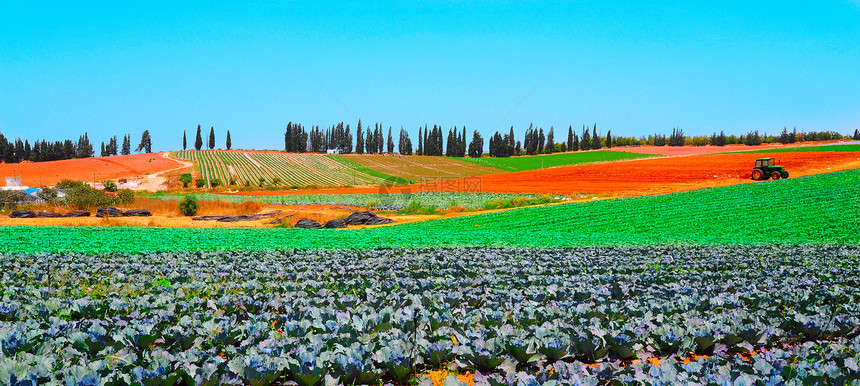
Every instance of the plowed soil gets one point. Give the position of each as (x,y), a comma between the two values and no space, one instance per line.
(661,175)
(696,150)
(88,169)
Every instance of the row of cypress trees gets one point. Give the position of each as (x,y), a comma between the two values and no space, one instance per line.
(210,141)
(44,150)
(373,140)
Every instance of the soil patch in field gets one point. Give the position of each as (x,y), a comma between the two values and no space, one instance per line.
(697,150)
(661,175)
(134,166)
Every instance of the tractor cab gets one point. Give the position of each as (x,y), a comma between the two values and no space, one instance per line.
(763,162)
(766,168)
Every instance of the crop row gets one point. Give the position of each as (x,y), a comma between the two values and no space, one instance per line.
(356,317)
(248,168)
(382,201)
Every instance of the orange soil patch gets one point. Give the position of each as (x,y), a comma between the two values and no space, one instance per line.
(660,175)
(88,169)
(438,377)
(697,150)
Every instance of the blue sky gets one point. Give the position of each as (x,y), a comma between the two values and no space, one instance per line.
(634,68)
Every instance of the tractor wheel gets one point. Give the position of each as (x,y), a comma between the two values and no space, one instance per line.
(774,175)
(785,175)
(756,175)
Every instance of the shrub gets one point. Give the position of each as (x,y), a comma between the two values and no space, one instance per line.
(125,196)
(189,205)
(215,182)
(69,184)
(185,179)
(249,207)
(9,199)
(276,181)
(416,208)
(86,197)
(262,182)
(200,182)
(110,186)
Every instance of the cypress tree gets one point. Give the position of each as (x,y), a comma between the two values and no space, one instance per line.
(609,138)
(126,144)
(570,138)
(198,143)
(229,142)
(585,140)
(390,142)
(550,141)
(184,141)
(426,144)
(541,140)
(211,138)
(595,139)
(359,143)
(420,142)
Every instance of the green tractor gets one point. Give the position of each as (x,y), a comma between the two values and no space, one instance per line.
(766,168)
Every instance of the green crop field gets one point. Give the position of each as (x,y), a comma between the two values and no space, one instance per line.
(378,201)
(817,209)
(517,164)
(805,149)
(285,169)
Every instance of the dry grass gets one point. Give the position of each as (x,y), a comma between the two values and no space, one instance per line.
(166,214)
(165,208)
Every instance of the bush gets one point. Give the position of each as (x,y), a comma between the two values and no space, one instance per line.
(125,196)
(416,208)
(9,199)
(200,182)
(189,205)
(276,181)
(215,182)
(110,186)
(70,184)
(86,197)
(185,179)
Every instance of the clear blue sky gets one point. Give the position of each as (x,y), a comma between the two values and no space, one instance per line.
(635,68)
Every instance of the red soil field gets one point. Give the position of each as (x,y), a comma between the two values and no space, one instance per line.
(661,175)
(624,178)
(87,169)
(696,150)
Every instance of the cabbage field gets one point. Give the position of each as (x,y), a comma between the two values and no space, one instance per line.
(663,315)
(701,287)
(379,201)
